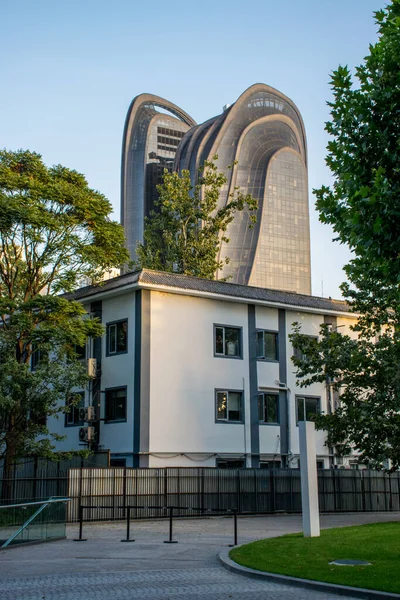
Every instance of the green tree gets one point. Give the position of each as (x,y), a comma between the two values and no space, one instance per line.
(363,208)
(54,230)
(185,231)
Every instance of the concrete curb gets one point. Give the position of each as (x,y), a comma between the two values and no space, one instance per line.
(332,588)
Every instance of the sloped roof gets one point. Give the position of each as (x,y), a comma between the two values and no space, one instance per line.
(187,283)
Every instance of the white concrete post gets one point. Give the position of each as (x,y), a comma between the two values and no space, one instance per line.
(309,481)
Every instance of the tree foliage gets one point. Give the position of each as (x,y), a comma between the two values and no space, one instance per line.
(363,205)
(185,231)
(363,208)
(54,230)
(363,378)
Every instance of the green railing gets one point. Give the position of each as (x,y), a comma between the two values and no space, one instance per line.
(33,522)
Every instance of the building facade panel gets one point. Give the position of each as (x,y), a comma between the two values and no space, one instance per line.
(190,377)
(264,134)
(149,145)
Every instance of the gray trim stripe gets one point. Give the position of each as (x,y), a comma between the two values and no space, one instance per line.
(283,402)
(141,400)
(253,383)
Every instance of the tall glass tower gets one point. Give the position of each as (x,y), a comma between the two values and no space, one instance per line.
(263,133)
(153,131)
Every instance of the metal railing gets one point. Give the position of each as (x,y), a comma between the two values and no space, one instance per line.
(251,491)
(170,511)
(41,521)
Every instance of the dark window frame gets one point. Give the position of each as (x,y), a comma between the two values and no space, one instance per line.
(307,397)
(239,356)
(241,409)
(224,463)
(108,326)
(37,356)
(264,358)
(81,404)
(263,394)
(80,352)
(301,355)
(113,389)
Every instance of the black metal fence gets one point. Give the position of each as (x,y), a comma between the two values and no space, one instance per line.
(199,490)
(35,479)
(194,490)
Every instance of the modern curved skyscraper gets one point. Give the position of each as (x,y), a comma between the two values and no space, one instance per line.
(263,132)
(149,144)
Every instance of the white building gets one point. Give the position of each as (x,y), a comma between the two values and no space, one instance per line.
(193,372)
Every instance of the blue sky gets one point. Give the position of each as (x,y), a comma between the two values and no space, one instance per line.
(70,69)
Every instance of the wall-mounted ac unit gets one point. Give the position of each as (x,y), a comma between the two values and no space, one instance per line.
(92,367)
(87,413)
(86,434)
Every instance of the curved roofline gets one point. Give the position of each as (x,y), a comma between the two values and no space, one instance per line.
(134,106)
(257,87)
(266,119)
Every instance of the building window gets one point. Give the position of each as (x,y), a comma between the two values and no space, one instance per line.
(229,406)
(268,408)
(306,408)
(74,403)
(320,464)
(267,345)
(297,353)
(37,356)
(80,352)
(227,341)
(115,404)
(117,337)
(270,464)
(230,463)
(117,462)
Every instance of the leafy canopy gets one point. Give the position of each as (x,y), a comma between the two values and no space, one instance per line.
(54,230)
(363,208)
(363,205)
(185,231)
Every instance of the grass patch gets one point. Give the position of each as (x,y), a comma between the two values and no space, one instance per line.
(309,558)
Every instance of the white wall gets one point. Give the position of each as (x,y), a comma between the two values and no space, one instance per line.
(185,375)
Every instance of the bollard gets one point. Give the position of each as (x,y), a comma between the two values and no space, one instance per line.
(80,539)
(128,525)
(235,536)
(170,541)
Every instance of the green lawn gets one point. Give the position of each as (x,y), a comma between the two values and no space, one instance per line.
(309,558)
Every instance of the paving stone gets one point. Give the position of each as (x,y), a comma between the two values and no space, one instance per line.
(103,568)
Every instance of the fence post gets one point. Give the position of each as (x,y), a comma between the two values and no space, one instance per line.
(128,525)
(238,503)
(35,470)
(170,541)
(80,538)
(255,495)
(235,536)
(124,492)
(165,503)
(362,491)
(272,486)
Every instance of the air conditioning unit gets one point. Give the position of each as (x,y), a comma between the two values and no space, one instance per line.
(86,434)
(87,413)
(92,367)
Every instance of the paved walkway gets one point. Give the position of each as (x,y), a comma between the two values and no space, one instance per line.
(104,568)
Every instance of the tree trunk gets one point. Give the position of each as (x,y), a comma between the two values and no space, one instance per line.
(9,459)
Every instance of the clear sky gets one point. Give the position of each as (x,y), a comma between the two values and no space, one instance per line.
(70,69)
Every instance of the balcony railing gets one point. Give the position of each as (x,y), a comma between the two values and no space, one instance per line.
(32,522)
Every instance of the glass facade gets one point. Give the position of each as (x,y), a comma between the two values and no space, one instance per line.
(264,133)
(153,131)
